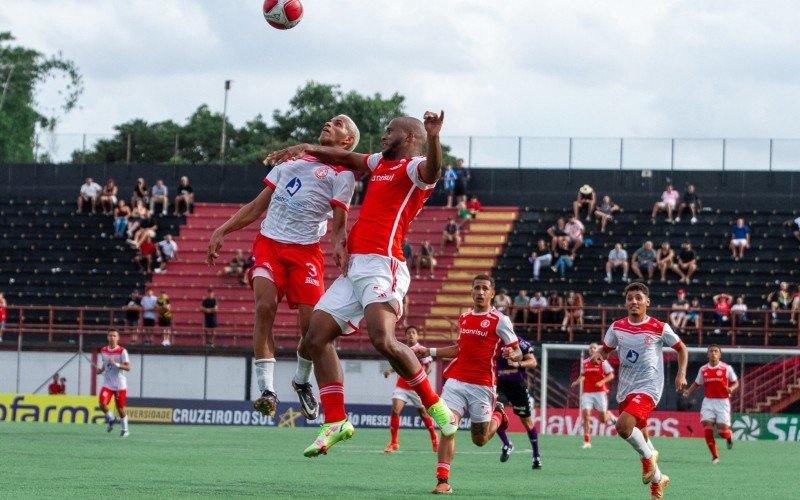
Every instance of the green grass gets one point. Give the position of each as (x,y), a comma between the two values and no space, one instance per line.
(60,460)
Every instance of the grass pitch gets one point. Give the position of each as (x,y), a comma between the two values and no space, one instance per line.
(61,460)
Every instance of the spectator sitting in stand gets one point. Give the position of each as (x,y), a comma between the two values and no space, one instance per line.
(449,178)
(587,198)
(690,201)
(617,258)
(644,258)
(781,299)
(687,263)
(795,307)
(573,310)
(519,310)
(665,257)
(90,191)
(140,193)
(121,214)
(740,239)
(463,213)
(237,266)
(557,233)
(108,197)
(680,307)
(502,302)
(167,249)
(148,252)
(669,202)
(147,229)
(138,214)
(408,254)
(358,189)
(537,305)
(185,197)
(426,257)
(575,229)
(451,234)
(209,308)
(473,206)
(541,257)
(739,310)
(555,308)
(565,261)
(159,194)
(605,212)
(695,315)
(722,307)
(794,226)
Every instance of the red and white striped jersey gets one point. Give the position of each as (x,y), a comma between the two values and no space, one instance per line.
(113,377)
(592,374)
(394,197)
(716,379)
(641,368)
(480,338)
(425,362)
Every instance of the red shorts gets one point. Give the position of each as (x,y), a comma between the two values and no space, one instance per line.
(638,405)
(120,397)
(297,270)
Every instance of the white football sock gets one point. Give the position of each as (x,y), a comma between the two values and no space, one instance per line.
(650,445)
(125,423)
(636,440)
(264,369)
(303,372)
(110,416)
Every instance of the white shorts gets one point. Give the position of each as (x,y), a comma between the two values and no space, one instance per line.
(370,279)
(739,242)
(475,401)
(716,410)
(408,397)
(594,401)
(664,205)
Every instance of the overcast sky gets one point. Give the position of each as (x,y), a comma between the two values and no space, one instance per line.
(725,68)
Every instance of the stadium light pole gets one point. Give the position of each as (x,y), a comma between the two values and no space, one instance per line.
(6,84)
(224,123)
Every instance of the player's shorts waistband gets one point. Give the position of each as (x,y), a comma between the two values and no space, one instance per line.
(285,244)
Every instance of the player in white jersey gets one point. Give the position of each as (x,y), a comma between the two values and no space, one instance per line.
(300,196)
(640,340)
(374,278)
(113,362)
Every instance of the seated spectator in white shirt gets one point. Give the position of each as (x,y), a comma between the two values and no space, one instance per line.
(795,227)
(502,302)
(537,305)
(168,250)
(159,195)
(90,191)
(617,258)
(669,202)
(574,229)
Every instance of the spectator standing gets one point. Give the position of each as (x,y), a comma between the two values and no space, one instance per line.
(679,315)
(669,202)
(55,388)
(449,179)
(63,382)
(209,308)
(359,182)
(108,197)
(722,309)
(184,197)
(3,314)
(644,258)
(133,309)
(794,319)
(587,198)
(474,206)
(140,193)
(89,193)
(537,305)
(462,182)
(794,227)
(665,257)
(690,201)
(167,250)
(148,252)
(687,263)
(781,299)
(617,258)
(575,229)
(426,257)
(502,302)
(451,234)
(740,239)
(121,214)
(159,194)
(573,310)
(739,310)
(541,257)
(557,233)
(520,307)
(165,318)
(149,303)
(605,212)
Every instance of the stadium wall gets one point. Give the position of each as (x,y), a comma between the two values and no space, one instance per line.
(494,186)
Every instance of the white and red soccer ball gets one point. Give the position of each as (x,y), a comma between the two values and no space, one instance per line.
(283,14)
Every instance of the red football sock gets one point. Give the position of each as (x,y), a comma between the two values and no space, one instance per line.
(443,471)
(725,434)
(429,424)
(586,438)
(712,445)
(394,427)
(422,386)
(331,397)
(497,419)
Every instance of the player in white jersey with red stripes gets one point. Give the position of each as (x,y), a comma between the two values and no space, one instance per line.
(483,334)
(374,278)
(114,361)
(594,392)
(719,381)
(300,196)
(639,340)
(403,394)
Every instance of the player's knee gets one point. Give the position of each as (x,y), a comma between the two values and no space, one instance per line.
(479,440)
(266,309)
(624,428)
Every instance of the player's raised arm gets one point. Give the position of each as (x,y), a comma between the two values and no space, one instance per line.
(325,154)
(430,170)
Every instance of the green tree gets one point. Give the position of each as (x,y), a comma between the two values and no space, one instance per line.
(22,70)
(149,143)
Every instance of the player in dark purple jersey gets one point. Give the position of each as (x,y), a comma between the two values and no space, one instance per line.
(512,388)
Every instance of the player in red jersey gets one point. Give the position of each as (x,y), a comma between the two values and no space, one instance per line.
(640,340)
(374,277)
(594,393)
(719,381)
(114,361)
(483,333)
(403,394)
(299,197)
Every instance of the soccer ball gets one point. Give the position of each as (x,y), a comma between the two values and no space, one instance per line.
(283,14)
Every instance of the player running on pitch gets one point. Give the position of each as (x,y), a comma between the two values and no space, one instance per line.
(594,393)
(640,340)
(720,381)
(403,394)
(469,389)
(375,279)
(114,361)
(512,388)
(299,197)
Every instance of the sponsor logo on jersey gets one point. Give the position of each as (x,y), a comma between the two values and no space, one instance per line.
(632,356)
(293,186)
(321,172)
(311,281)
(473,331)
(381,178)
